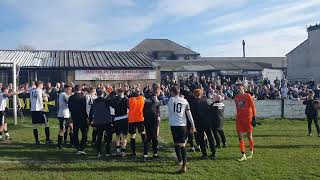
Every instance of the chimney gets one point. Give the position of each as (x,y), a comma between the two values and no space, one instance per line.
(244,48)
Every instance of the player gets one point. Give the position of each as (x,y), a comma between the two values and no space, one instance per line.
(120,105)
(151,114)
(100,117)
(64,114)
(4,96)
(245,120)
(136,118)
(178,109)
(90,98)
(38,117)
(77,105)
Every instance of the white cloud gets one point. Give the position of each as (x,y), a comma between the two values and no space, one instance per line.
(265,18)
(188,8)
(75,24)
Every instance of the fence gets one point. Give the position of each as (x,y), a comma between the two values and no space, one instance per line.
(265,109)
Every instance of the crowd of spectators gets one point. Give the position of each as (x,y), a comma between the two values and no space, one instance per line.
(260,90)
(225,87)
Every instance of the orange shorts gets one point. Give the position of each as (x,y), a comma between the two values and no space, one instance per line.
(244,126)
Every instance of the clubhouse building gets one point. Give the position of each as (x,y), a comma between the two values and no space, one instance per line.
(150,61)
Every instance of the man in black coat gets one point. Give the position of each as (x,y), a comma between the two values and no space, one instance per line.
(151,113)
(187,92)
(100,117)
(203,124)
(78,108)
(311,112)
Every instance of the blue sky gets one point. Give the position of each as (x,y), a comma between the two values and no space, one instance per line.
(210,27)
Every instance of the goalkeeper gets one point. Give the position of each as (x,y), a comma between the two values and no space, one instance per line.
(245,120)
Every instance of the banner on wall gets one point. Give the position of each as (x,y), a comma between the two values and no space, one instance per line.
(115,75)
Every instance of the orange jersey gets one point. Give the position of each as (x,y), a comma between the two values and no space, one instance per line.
(245,111)
(136,105)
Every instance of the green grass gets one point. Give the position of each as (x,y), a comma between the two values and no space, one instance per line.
(283,151)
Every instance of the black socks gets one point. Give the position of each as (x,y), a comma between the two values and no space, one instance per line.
(178,153)
(184,155)
(47,131)
(71,138)
(94,136)
(36,135)
(59,141)
(65,136)
(143,137)
(133,145)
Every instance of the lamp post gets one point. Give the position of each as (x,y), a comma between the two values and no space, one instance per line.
(244,48)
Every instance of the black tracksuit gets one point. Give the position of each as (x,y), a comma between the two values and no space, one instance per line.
(203,125)
(217,114)
(77,104)
(191,99)
(120,105)
(101,118)
(312,114)
(151,114)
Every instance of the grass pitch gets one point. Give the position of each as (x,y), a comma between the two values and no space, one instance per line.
(283,151)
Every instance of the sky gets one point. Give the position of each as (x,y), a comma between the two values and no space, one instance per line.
(211,27)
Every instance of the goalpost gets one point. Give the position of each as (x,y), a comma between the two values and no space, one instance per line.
(14,83)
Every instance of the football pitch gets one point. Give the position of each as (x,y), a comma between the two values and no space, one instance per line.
(283,151)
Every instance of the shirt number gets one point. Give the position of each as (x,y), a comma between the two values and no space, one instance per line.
(34,94)
(177,107)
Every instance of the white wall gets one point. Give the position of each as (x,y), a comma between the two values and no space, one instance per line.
(272,74)
(265,109)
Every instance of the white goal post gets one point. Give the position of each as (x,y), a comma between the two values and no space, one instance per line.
(14,83)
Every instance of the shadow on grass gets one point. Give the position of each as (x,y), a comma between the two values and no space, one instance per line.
(280,135)
(31,152)
(134,169)
(286,146)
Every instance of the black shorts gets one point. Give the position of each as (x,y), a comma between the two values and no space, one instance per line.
(134,126)
(64,122)
(108,128)
(2,118)
(121,126)
(179,134)
(38,117)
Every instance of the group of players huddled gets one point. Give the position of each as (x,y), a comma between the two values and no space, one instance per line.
(109,111)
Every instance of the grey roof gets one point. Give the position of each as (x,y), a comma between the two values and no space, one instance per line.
(162,45)
(205,65)
(77,59)
(267,62)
